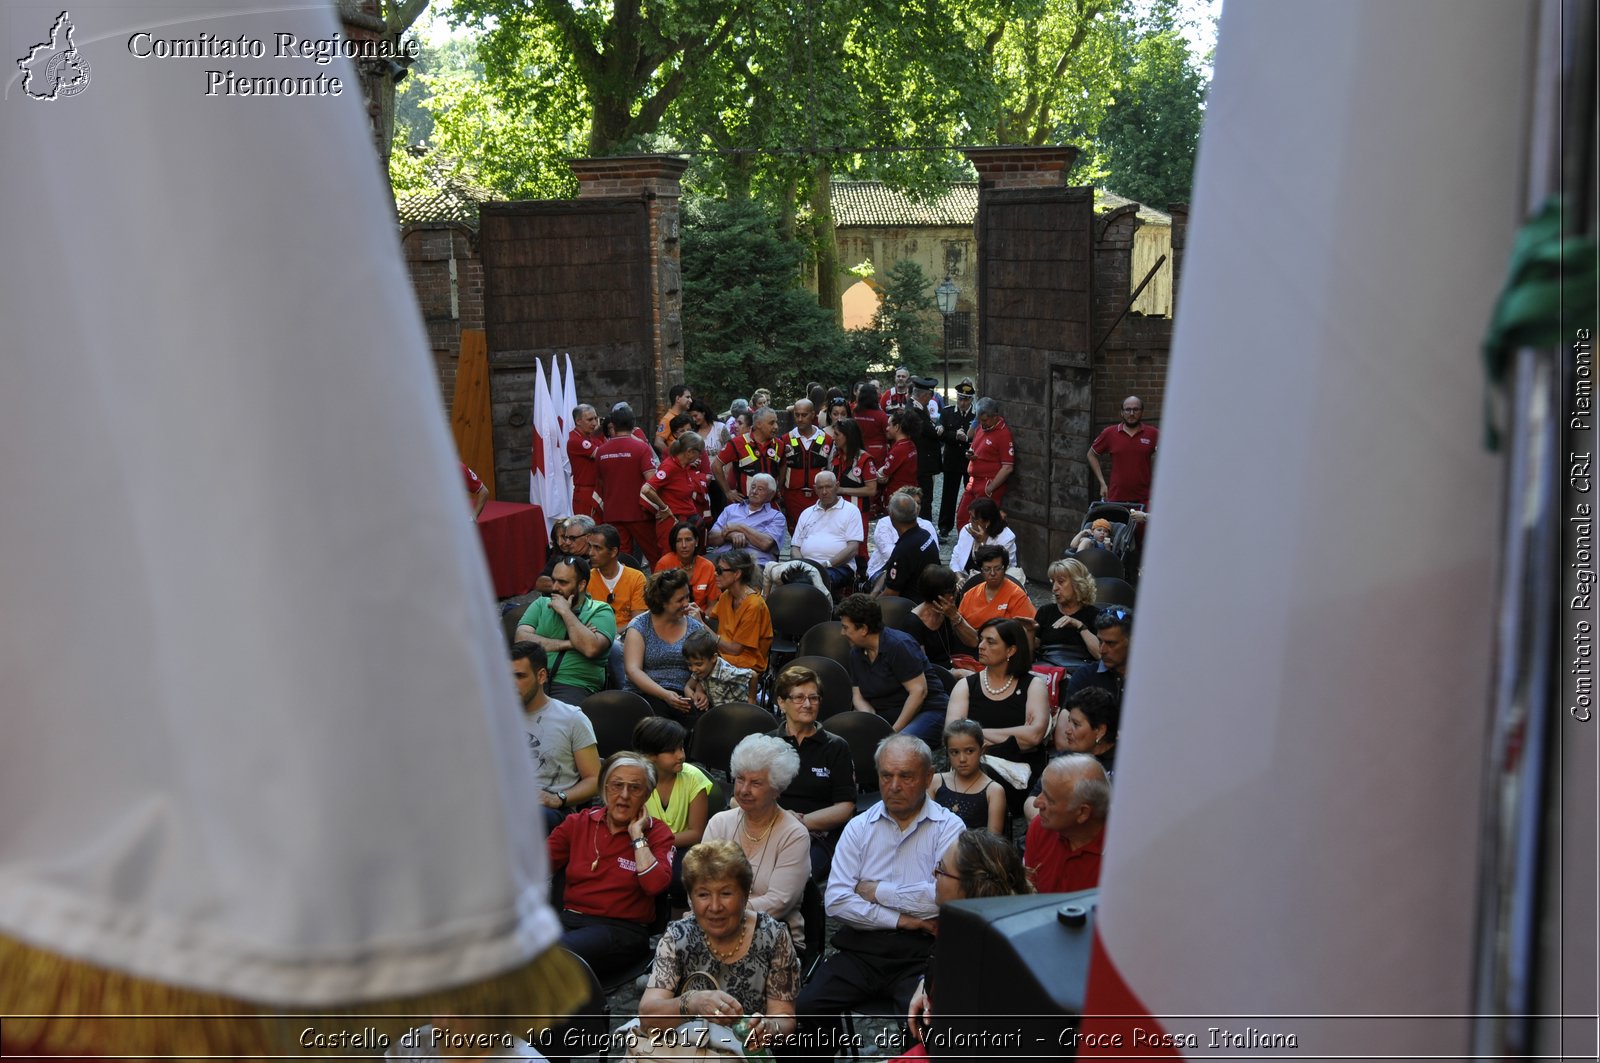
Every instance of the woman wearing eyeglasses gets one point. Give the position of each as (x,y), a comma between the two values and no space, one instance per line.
(617,860)
(996,596)
(742,621)
(823,794)
(978,864)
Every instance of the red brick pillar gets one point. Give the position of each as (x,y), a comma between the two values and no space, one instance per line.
(1022,167)
(656,180)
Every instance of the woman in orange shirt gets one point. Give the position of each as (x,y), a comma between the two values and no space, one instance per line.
(702,574)
(996,596)
(744,626)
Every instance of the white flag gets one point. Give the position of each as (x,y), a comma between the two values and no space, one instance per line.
(1293,835)
(260,735)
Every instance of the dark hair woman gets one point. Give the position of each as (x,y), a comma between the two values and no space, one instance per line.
(889,673)
(874,423)
(978,864)
(685,554)
(677,489)
(652,649)
(941,629)
(858,474)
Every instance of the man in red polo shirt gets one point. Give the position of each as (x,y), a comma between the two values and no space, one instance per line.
(993,456)
(807,452)
(1067,839)
(621,466)
(1132,448)
(583,443)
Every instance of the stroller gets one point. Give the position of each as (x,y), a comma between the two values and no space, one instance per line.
(1120,541)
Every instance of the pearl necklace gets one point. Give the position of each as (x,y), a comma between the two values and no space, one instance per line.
(983,677)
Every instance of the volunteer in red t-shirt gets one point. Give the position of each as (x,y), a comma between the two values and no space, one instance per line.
(583,443)
(1131,446)
(677,490)
(872,422)
(993,455)
(899,468)
(622,465)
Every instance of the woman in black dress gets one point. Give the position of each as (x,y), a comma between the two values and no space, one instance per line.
(1009,702)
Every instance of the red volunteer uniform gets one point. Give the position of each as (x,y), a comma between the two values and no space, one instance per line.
(1055,867)
(991,448)
(683,489)
(803,459)
(745,456)
(622,464)
(874,425)
(1132,460)
(581,450)
(901,466)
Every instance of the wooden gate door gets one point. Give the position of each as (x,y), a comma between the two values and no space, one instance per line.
(564,277)
(1035,307)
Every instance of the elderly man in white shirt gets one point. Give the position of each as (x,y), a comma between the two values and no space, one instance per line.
(881,888)
(829,533)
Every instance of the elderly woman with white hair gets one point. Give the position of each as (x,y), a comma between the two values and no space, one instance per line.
(777,844)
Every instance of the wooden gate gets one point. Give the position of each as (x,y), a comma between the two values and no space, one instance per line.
(1035,308)
(570,277)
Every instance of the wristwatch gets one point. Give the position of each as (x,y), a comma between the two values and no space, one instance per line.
(640,843)
(561,795)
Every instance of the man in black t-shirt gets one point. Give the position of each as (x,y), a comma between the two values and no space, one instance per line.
(914,550)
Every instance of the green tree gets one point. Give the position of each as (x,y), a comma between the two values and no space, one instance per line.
(631,60)
(1055,64)
(746,322)
(902,330)
(1150,134)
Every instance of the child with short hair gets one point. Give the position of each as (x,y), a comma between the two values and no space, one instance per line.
(682,797)
(965,789)
(712,680)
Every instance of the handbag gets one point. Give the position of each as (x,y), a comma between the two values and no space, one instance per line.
(696,1039)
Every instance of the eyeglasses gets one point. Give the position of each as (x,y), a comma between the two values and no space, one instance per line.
(940,872)
(722,571)
(620,787)
(1117,612)
(804,699)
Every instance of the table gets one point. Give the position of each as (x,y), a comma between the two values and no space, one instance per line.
(514,543)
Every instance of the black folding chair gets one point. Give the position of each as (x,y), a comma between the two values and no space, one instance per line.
(897,611)
(1108,590)
(827,640)
(722,728)
(862,731)
(586,1031)
(613,714)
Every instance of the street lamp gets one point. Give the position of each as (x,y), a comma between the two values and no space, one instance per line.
(945,296)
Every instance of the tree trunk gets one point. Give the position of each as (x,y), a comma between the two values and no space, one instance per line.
(826,241)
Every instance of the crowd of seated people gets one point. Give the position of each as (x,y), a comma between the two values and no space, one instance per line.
(670,602)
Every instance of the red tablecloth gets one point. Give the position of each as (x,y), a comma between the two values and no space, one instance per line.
(514,542)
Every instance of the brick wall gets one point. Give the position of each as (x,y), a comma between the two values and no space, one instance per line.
(1133,357)
(429,248)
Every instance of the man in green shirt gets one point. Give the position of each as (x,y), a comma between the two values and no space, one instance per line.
(575,630)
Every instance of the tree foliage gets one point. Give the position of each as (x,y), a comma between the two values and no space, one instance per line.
(903,331)
(1151,132)
(746,323)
